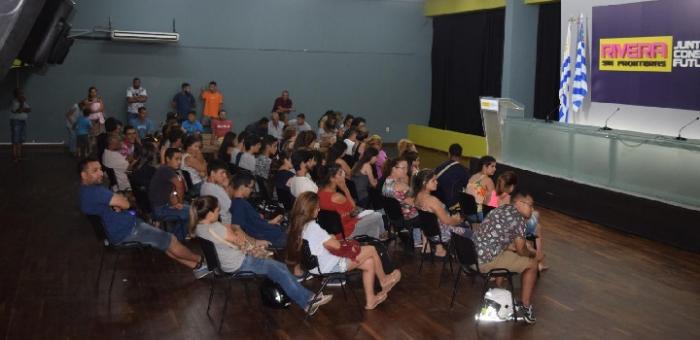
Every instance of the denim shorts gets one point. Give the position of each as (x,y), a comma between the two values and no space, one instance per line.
(147,234)
(341,266)
(18,128)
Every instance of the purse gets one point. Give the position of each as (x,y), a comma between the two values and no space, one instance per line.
(348,249)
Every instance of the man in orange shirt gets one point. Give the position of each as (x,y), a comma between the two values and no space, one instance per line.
(213,102)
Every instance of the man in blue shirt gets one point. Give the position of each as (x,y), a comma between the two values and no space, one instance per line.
(143,125)
(191,125)
(243,213)
(452,177)
(183,102)
(121,224)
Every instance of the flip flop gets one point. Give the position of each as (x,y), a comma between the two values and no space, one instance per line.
(395,278)
(380,298)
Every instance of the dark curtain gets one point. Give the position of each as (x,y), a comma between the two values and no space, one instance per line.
(548,61)
(467,60)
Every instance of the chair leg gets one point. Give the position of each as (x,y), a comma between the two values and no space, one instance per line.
(512,295)
(352,291)
(114,271)
(99,271)
(454,289)
(247,293)
(223,310)
(422,256)
(211,296)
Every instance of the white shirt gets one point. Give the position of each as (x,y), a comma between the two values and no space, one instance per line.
(132,92)
(116,161)
(73,117)
(15,107)
(301,184)
(275,131)
(247,162)
(351,147)
(300,128)
(213,189)
(194,174)
(316,236)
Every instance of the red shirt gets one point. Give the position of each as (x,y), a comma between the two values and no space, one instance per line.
(220,127)
(343,210)
(285,104)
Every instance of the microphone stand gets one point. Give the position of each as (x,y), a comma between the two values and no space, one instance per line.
(685,126)
(606,128)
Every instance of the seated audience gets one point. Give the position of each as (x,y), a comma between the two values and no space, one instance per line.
(268,150)
(347,122)
(246,158)
(145,167)
(142,123)
(452,177)
(215,185)
(397,186)
(258,127)
(303,226)
(289,136)
(350,139)
(238,147)
(335,156)
(424,183)
(275,126)
(413,161)
(193,162)
(172,140)
(375,141)
(113,159)
(191,125)
(363,176)
(284,171)
(300,123)
(500,243)
(303,162)
(167,193)
(327,131)
(245,215)
(131,146)
(220,127)
(305,140)
(505,184)
(111,126)
(404,145)
(122,226)
(355,222)
(227,146)
(481,185)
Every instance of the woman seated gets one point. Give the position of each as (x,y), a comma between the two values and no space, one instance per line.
(303,226)
(481,186)
(354,222)
(396,186)
(193,162)
(363,176)
(424,183)
(505,184)
(240,252)
(335,156)
(227,146)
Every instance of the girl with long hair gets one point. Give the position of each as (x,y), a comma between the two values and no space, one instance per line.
(227,146)
(481,186)
(397,186)
(303,226)
(363,176)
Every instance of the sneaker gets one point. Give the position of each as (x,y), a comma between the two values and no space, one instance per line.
(319,301)
(335,283)
(201,270)
(525,313)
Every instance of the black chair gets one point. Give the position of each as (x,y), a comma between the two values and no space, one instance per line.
(309,262)
(111,177)
(140,193)
(400,226)
(431,229)
(263,188)
(467,205)
(217,274)
(331,222)
(286,198)
(101,234)
(465,253)
(190,193)
(352,188)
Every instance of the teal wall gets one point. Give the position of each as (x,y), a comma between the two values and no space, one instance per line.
(370,58)
(520,53)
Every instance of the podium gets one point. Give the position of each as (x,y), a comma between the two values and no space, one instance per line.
(494,112)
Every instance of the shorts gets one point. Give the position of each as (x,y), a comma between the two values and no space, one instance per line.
(508,260)
(18,128)
(341,266)
(147,234)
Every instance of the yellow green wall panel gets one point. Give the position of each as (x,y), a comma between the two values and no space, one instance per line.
(441,7)
(537,2)
(473,146)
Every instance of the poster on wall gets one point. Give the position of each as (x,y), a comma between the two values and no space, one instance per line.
(647,54)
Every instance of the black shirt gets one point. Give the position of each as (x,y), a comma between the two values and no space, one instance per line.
(161,186)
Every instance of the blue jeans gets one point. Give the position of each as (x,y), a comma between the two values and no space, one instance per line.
(18,129)
(278,272)
(166,213)
(147,234)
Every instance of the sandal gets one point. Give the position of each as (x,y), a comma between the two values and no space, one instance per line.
(380,298)
(394,278)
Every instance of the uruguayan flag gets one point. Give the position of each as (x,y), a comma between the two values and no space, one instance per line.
(581,73)
(565,77)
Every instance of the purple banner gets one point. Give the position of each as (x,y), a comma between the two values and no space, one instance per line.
(647,54)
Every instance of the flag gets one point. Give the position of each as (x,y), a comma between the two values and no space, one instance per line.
(580,88)
(565,77)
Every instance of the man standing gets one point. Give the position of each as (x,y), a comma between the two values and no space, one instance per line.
(136,96)
(500,243)
(122,226)
(452,177)
(283,104)
(303,162)
(113,159)
(72,116)
(217,181)
(167,193)
(183,102)
(300,123)
(18,123)
(142,123)
(213,102)
(275,127)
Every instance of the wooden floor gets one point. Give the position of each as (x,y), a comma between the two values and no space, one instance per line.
(602,284)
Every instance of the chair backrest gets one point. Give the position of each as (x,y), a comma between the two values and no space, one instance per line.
(111,176)
(141,196)
(262,188)
(392,207)
(467,204)
(285,197)
(429,223)
(188,179)
(352,188)
(465,250)
(308,261)
(99,228)
(376,199)
(210,255)
(330,221)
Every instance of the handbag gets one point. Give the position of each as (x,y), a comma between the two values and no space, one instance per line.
(348,249)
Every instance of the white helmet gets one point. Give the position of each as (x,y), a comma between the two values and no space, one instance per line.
(498,305)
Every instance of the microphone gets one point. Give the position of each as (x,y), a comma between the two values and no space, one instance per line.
(606,128)
(685,126)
